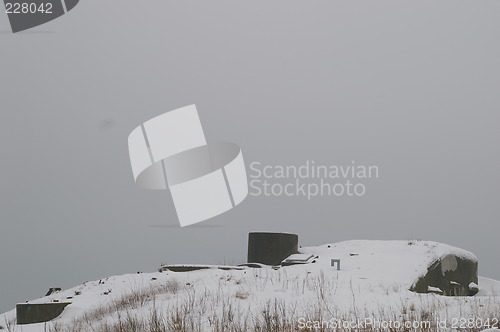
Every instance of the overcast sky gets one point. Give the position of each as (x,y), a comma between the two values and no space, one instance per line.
(409,86)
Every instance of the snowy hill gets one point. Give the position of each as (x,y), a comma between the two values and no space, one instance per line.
(371,286)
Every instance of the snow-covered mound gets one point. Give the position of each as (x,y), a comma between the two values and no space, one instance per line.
(386,262)
(372,283)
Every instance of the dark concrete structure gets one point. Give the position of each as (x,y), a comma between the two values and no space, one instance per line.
(271,248)
(183,268)
(39,313)
(189,268)
(451,276)
(53,290)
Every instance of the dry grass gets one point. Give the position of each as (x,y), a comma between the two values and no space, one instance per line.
(173,306)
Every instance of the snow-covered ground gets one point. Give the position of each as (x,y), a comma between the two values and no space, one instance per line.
(372,285)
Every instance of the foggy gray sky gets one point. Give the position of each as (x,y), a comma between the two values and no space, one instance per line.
(412,87)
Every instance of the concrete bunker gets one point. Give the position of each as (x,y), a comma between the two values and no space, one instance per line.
(271,248)
(450,275)
(189,268)
(39,313)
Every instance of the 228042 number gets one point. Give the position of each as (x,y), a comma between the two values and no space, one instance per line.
(28,8)
(474,323)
